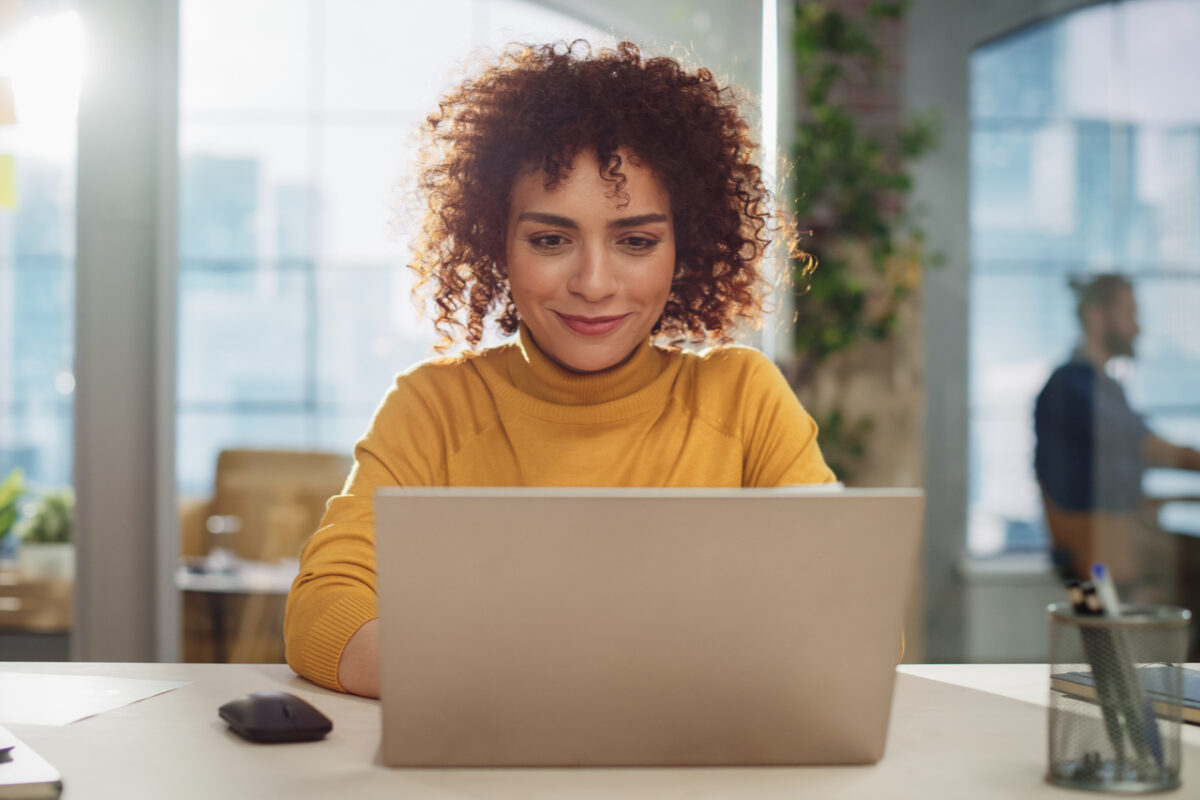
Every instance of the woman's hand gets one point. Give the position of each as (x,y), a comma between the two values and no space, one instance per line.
(358,671)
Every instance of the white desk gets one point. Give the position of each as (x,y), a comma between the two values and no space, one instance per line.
(957,732)
(245,577)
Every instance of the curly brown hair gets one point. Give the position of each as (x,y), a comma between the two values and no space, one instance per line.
(539,106)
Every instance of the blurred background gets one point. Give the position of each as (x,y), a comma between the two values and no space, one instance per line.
(204,226)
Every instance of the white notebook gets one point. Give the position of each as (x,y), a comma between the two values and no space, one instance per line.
(24,775)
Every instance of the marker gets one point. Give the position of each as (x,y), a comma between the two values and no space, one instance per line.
(1140,720)
(1091,601)
(1075,596)
(1096,644)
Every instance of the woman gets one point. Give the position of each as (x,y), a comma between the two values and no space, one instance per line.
(592,202)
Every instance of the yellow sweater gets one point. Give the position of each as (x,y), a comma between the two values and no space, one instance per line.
(509,416)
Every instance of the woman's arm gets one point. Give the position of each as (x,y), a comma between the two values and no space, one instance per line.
(329,627)
(334,595)
(779,436)
(358,669)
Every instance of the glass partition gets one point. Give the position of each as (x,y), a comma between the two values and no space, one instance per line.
(1084,159)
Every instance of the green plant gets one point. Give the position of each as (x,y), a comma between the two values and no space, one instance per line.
(11,491)
(52,519)
(843,445)
(850,182)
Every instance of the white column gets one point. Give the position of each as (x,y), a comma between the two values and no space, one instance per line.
(124,351)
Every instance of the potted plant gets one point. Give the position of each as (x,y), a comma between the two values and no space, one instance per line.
(11,491)
(46,550)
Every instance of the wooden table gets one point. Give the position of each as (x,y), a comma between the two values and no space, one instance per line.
(234,614)
(41,605)
(35,616)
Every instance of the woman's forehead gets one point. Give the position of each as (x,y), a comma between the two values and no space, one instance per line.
(585,179)
(553,168)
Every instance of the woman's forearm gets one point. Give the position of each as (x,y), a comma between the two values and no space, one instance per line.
(358,669)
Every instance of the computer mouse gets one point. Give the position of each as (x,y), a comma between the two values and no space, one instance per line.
(269,717)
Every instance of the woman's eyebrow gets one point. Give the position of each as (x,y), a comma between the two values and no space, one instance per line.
(640,219)
(547,219)
(567,222)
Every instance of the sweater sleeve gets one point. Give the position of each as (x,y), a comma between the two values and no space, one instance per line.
(779,436)
(334,594)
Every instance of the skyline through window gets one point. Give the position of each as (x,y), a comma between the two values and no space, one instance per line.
(296,144)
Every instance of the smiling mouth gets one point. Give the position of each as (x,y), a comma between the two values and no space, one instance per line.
(592,326)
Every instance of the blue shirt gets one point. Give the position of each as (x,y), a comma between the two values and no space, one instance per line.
(1089,441)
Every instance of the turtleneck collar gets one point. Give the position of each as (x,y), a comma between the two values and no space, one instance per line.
(534,373)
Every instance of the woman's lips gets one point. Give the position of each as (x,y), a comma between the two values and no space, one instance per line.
(592,326)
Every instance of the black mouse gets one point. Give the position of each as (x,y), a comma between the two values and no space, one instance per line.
(275,717)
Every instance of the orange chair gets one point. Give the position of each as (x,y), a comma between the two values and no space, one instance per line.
(278,496)
(272,500)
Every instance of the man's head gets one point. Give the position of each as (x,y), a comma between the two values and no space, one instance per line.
(1107,312)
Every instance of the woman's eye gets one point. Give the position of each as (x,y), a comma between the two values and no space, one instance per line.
(639,243)
(548,241)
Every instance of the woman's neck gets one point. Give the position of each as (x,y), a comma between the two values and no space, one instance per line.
(534,372)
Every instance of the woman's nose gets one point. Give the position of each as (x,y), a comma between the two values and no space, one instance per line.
(595,278)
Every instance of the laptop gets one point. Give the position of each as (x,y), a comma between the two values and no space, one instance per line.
(623,627)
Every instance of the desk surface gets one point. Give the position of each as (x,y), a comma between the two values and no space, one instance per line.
(244,577)
(957,731)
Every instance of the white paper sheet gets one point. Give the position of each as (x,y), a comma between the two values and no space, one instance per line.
(36,699)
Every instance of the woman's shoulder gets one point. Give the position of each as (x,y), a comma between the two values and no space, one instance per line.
(451,371)
(740,392)
(729,380)
(444,387)
(728,362)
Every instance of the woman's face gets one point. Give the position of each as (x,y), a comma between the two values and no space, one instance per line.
(590,273)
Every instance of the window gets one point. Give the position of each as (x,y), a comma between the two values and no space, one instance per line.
(1085,158)
(41,57)
(296,130)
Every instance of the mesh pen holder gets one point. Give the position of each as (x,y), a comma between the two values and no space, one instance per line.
(1115,690)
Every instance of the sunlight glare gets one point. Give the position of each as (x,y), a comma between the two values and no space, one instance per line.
(44,59)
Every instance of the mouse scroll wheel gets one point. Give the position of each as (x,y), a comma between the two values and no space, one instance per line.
(287,712)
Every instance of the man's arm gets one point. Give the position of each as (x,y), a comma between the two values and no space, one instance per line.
(1158,452)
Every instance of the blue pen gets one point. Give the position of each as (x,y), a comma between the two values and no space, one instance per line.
(1139,715)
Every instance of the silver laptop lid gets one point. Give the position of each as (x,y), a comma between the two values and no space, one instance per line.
(640,627)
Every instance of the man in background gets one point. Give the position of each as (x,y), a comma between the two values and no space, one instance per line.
(1091,452)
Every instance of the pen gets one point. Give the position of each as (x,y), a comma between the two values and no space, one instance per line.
(1085,603)
(1140,720)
